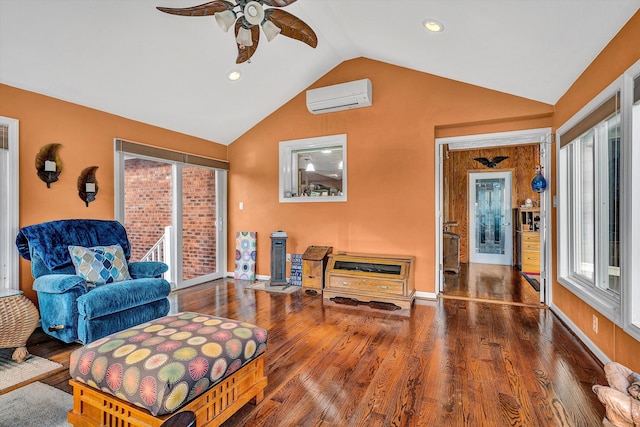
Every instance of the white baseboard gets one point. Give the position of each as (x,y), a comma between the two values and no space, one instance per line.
(431,296)
(231,274)
(581,335)
(426,295)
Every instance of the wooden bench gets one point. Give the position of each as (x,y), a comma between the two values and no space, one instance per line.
(114,385)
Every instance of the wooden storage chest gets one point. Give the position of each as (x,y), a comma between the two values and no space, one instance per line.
(371,278)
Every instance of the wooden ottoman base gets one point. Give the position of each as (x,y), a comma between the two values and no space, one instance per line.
(94,408)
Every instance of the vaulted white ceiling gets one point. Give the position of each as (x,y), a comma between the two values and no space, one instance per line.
(129,59)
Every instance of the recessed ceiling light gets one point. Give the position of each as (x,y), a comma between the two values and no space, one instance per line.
(433,25)
(234,75)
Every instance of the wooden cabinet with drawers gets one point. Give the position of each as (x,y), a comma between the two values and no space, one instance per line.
(528,240)
(371,278)
(530,252)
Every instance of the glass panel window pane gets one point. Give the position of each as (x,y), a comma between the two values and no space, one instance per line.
(319,172)
(613,149)
(490,238)
(313,169)
(198,222)
(585,238)
(147,206)
(634,287)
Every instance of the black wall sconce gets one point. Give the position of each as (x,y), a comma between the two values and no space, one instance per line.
(88,184)
(48,163)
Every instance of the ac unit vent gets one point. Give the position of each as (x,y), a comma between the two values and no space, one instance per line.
(343,96)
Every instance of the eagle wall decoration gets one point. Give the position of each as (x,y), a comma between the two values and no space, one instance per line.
(248,16)
(491,163)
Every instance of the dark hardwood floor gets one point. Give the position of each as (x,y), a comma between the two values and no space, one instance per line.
(452,362)
(487,282)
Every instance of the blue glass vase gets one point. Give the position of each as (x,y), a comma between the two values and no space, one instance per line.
(538,183)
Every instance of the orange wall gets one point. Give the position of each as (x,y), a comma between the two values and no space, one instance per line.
(391,164)
(622,52)
(87,138)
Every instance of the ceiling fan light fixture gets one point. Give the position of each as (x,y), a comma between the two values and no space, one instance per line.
(234,75)
(244,37)
(225,19)
(433,25)
(245,16)
(270,29)
(310,167)
(253,13)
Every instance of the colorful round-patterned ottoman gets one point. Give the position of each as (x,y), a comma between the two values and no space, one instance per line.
(165,364)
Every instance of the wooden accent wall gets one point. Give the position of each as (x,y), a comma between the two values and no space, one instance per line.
(456,168)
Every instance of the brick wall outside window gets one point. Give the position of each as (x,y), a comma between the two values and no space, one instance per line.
(147,201)
(198,221)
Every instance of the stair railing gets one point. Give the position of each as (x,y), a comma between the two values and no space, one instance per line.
(161,251)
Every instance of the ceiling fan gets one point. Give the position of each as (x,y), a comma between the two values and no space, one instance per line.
(248,15)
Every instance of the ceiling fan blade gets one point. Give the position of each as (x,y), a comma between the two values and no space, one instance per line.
(206,9)
(292,27)
(245,53)
(278,3)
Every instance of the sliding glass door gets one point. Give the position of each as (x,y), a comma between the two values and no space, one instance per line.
(199,222)
(173,212)
(148,210)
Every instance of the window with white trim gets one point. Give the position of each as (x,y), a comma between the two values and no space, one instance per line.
(632,297)
(313,169)
(589,177)
(597,201)
(591,170)
(9,195)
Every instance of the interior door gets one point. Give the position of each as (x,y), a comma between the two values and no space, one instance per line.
(490,228)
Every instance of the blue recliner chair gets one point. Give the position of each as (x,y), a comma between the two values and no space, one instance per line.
(72,309)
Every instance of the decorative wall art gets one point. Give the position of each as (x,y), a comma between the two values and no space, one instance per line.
(245,256)
(296,270)
(491,163)
(88,184)
(538,183)
(48,163)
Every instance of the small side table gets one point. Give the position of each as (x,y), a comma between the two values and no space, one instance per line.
(18,319)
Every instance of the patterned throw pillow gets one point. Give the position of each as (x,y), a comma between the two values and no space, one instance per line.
(100,264)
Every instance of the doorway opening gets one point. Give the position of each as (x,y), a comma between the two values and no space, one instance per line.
(479,202)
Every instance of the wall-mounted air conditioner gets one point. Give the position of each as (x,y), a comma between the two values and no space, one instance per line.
(343,96)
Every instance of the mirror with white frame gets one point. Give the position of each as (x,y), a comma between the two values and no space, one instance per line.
(314,169)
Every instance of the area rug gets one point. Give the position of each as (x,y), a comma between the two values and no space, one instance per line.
(533,279)
(35,405)
(13,373)
(260,285)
